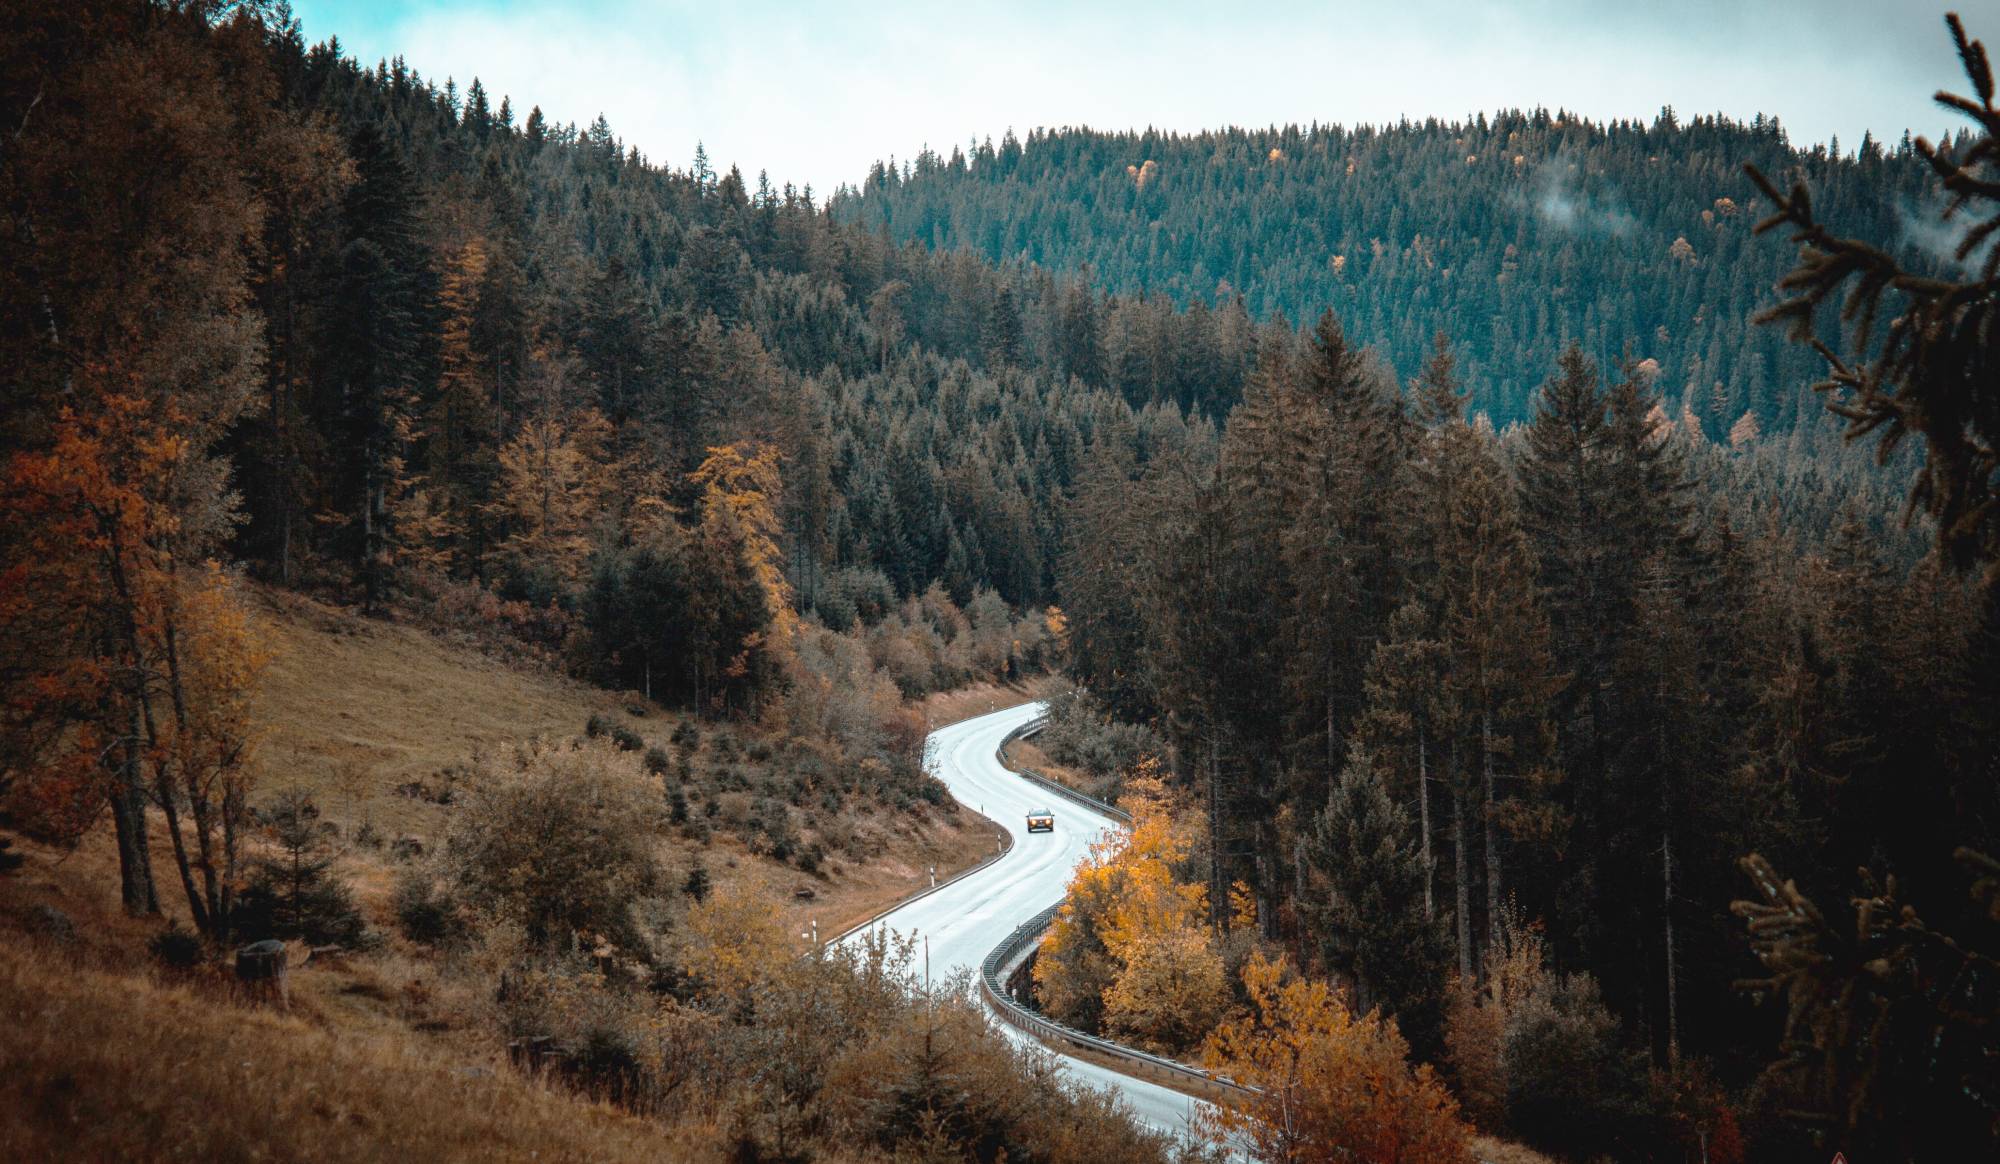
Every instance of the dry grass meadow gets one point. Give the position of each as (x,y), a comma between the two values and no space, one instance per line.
(389,1054)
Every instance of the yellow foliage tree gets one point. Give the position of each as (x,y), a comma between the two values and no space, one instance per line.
(1329,1084)
(1131,951)
(743,480)
(734,940)
(1172,990)
(552,475)
(212,656)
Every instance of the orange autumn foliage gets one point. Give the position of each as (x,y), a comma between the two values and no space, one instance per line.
(141,682)
(1131,949)
(1329,1083)
(743,482)
(83,516)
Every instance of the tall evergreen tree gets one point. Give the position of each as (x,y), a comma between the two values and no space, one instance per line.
(376,343)
(1366,901)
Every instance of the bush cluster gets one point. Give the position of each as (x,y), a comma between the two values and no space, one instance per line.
(840,1052)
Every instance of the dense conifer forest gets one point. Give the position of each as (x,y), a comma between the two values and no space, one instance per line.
(1460,577)
(1517,233)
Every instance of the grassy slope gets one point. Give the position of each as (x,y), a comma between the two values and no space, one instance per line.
(99,1065)
(1028,754)
(385,1055)
(356,708)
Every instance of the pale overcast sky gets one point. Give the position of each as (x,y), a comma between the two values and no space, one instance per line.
(814,92)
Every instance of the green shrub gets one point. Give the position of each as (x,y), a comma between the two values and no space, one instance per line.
(295,892)
(1571,1088)
(606,1064)
(697,885)
(176,948)
(559,841)
(658,762)
(426,914)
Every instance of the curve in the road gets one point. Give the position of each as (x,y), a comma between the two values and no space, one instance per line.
(962,921)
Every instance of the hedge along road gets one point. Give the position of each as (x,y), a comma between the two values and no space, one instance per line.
(966,919)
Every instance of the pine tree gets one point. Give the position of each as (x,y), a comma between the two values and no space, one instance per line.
(1565,492)
(377,336)
(1439,397)
(295,892)
(459,460)
(1367,905)
(1930,370)
(1001,343)
(1408,721)
(1501,674)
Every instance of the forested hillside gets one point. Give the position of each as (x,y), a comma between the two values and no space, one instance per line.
(1479,611)
(1499,728)
(412,352)
(1516,233)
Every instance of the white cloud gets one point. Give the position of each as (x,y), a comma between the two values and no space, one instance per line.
(816,92)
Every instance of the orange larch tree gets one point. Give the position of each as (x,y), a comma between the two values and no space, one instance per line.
(1328,1083)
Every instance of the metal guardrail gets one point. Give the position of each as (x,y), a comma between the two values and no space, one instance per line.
(1054,1034)
(1033,727)
(1006,847)
(1130,1061)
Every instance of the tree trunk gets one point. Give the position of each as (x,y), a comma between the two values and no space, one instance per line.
(202,903)
(128,793)
(1667,912)
(1464,893)
(285,543)
(1332,750)
(371,565)
(128,818)
(1218,896)
(1489,832)
(1424,816)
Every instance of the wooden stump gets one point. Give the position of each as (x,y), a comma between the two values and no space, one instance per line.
(260,967)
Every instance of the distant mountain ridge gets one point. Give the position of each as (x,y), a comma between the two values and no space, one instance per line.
(1512,234)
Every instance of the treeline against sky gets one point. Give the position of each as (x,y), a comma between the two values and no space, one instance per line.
(1517,233)
(437,353)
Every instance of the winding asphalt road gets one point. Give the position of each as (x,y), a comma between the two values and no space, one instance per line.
(966,919)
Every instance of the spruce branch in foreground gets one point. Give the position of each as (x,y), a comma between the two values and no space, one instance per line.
(1931,370)
(1890,1036)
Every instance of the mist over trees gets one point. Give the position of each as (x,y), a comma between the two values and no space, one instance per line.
(1518,233)
(1545,695)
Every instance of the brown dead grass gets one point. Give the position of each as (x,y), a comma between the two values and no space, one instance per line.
(101,1066)
(1490,1150)
(353,707)
(949,707)
(390,1054)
